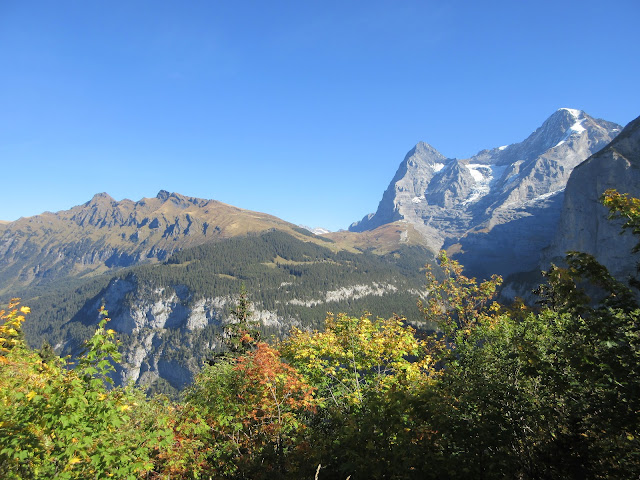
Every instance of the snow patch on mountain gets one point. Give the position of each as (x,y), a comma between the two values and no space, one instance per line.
(479,172)
(576,129)
(316,231)
(543,197)
(485,177)
(572,111)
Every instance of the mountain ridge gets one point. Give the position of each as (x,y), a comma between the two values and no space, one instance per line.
(103,234)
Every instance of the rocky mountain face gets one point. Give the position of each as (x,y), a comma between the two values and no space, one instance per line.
(149,327)
(497,210)
(584,225)
(168,332)
(103,235)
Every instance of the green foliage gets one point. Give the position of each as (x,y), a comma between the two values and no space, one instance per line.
(62,422)
(626,208)
(11,327)
(457,302)
(583,287)
(368,374)
(241,335)
(549,395)
(353,356)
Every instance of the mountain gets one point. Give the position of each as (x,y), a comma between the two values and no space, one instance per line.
(316,231)
(497,210)
(583,224)
(103,235)
(169,268)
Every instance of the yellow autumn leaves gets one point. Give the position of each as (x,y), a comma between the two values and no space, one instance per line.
(11,321)
(354,353)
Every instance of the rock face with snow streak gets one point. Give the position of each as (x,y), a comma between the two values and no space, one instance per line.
(584,225)
(497,210)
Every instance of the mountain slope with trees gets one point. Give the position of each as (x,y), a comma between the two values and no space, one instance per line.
(169,315)
(104,235)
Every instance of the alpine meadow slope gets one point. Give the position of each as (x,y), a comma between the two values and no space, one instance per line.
(103,235)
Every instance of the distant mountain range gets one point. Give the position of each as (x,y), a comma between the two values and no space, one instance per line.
(104,234)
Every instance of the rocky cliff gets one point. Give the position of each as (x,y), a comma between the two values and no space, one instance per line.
(583,224)
(165,334)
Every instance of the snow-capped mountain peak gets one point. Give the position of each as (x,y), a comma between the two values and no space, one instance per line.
(453,201)
(575,113)
(316,230)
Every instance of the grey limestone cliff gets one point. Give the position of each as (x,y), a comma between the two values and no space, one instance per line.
(583,224)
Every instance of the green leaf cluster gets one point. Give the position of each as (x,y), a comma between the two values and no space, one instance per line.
(59,420)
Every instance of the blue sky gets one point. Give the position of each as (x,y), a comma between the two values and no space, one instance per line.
(301,109)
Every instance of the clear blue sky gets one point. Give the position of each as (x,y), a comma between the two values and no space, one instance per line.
(301,109)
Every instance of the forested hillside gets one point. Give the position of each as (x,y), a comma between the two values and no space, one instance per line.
(169,316)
